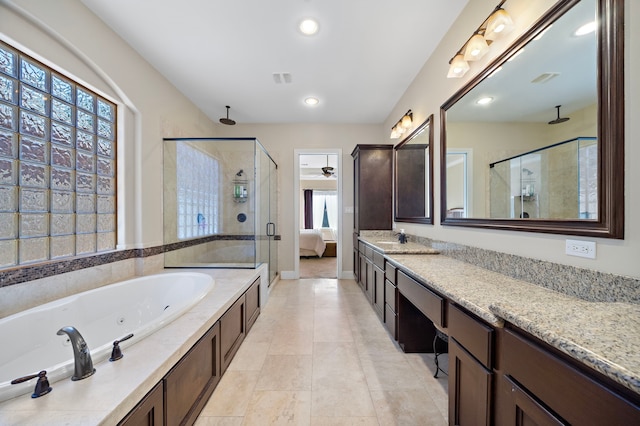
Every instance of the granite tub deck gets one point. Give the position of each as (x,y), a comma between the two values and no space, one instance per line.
(116,387)
(604,336)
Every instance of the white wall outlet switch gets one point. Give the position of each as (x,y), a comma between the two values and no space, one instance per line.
(348,209)
(581,248)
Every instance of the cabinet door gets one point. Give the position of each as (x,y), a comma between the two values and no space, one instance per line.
(527,411)
(232,331)
(190,383)
(253,303)
(378,291)
(469,388)
(369,284)
(363,272)
(149,412)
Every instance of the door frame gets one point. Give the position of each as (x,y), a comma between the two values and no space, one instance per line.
(296,203)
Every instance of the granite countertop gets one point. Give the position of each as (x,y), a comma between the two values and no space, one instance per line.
(390,245)
(603,336)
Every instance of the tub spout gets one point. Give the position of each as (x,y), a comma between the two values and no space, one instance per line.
(81,355)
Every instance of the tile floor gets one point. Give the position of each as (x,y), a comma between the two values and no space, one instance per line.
(318,355)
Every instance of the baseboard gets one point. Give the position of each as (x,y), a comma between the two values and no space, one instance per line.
(289,275)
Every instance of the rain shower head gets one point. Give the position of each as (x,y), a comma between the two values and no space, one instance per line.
(559,119)
(227,120)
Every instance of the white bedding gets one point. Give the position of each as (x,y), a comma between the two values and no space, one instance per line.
(311,242)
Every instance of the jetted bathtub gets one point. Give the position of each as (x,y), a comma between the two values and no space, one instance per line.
(139,306)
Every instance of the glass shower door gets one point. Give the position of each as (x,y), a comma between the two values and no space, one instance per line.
(266,226)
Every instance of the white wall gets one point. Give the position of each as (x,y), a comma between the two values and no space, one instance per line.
(431,89)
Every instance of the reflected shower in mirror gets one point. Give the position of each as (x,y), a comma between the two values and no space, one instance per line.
(414,176)
(532,143)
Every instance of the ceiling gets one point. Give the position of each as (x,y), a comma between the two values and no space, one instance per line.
(219,53)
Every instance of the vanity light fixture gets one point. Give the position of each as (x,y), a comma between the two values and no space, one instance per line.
(495,25)
(402,125)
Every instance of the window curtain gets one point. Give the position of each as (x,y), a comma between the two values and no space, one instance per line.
(320,199)
(308,209)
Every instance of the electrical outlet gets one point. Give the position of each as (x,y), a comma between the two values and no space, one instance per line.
(581,248)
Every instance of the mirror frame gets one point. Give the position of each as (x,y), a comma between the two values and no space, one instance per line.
(610,222)
(415,219)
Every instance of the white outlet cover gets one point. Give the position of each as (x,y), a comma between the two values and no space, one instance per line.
(581,248)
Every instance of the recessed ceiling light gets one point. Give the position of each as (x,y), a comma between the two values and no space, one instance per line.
(485,100)
(586,29)
(309,26)
(311,101)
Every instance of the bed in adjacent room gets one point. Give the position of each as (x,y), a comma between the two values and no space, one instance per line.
(311,243)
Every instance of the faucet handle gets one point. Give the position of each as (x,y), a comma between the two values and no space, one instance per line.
(42,385)
(116,352)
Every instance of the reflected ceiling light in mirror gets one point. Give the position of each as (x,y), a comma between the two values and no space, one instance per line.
(542,33)
(585,29)
(484,101)
(496,24)
(309,26)
(311,101)
(402,125)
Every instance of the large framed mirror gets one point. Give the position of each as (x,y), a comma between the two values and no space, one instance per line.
(413,183)
(535,142)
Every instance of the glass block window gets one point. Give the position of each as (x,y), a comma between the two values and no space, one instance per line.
(57,164)
(197,192)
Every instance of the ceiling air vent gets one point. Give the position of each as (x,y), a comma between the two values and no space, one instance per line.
(545,77)
(282,77)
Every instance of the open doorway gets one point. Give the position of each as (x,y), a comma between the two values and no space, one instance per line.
(318,224)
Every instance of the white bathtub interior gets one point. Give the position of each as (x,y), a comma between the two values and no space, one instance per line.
(139,306)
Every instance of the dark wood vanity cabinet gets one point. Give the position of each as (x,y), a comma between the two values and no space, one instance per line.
(390,300)
(471,361)
(253,303)
(372,187)
(149,411)
(232,331)
(377,296)
(192,380)
(538,386)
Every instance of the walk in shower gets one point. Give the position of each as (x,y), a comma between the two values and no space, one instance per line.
(219,204)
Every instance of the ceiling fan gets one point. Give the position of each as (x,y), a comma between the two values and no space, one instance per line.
(328,170)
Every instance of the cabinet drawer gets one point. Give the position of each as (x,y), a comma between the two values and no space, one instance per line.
(368,252)
(378,259)
(390,295)
(576,397)
(390,273)
(429,303)
(474,335)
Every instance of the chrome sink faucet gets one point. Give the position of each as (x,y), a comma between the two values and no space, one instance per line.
(402,237)
(81,355)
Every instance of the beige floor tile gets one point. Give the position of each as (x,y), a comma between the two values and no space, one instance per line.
(318,354)
(279,408)
(344,421)
(232,394)
(353,402)
(219,421)
(291,343)
(250,356)
(286,373)
(406,407)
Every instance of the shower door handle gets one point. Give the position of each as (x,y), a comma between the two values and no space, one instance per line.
(271,229)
